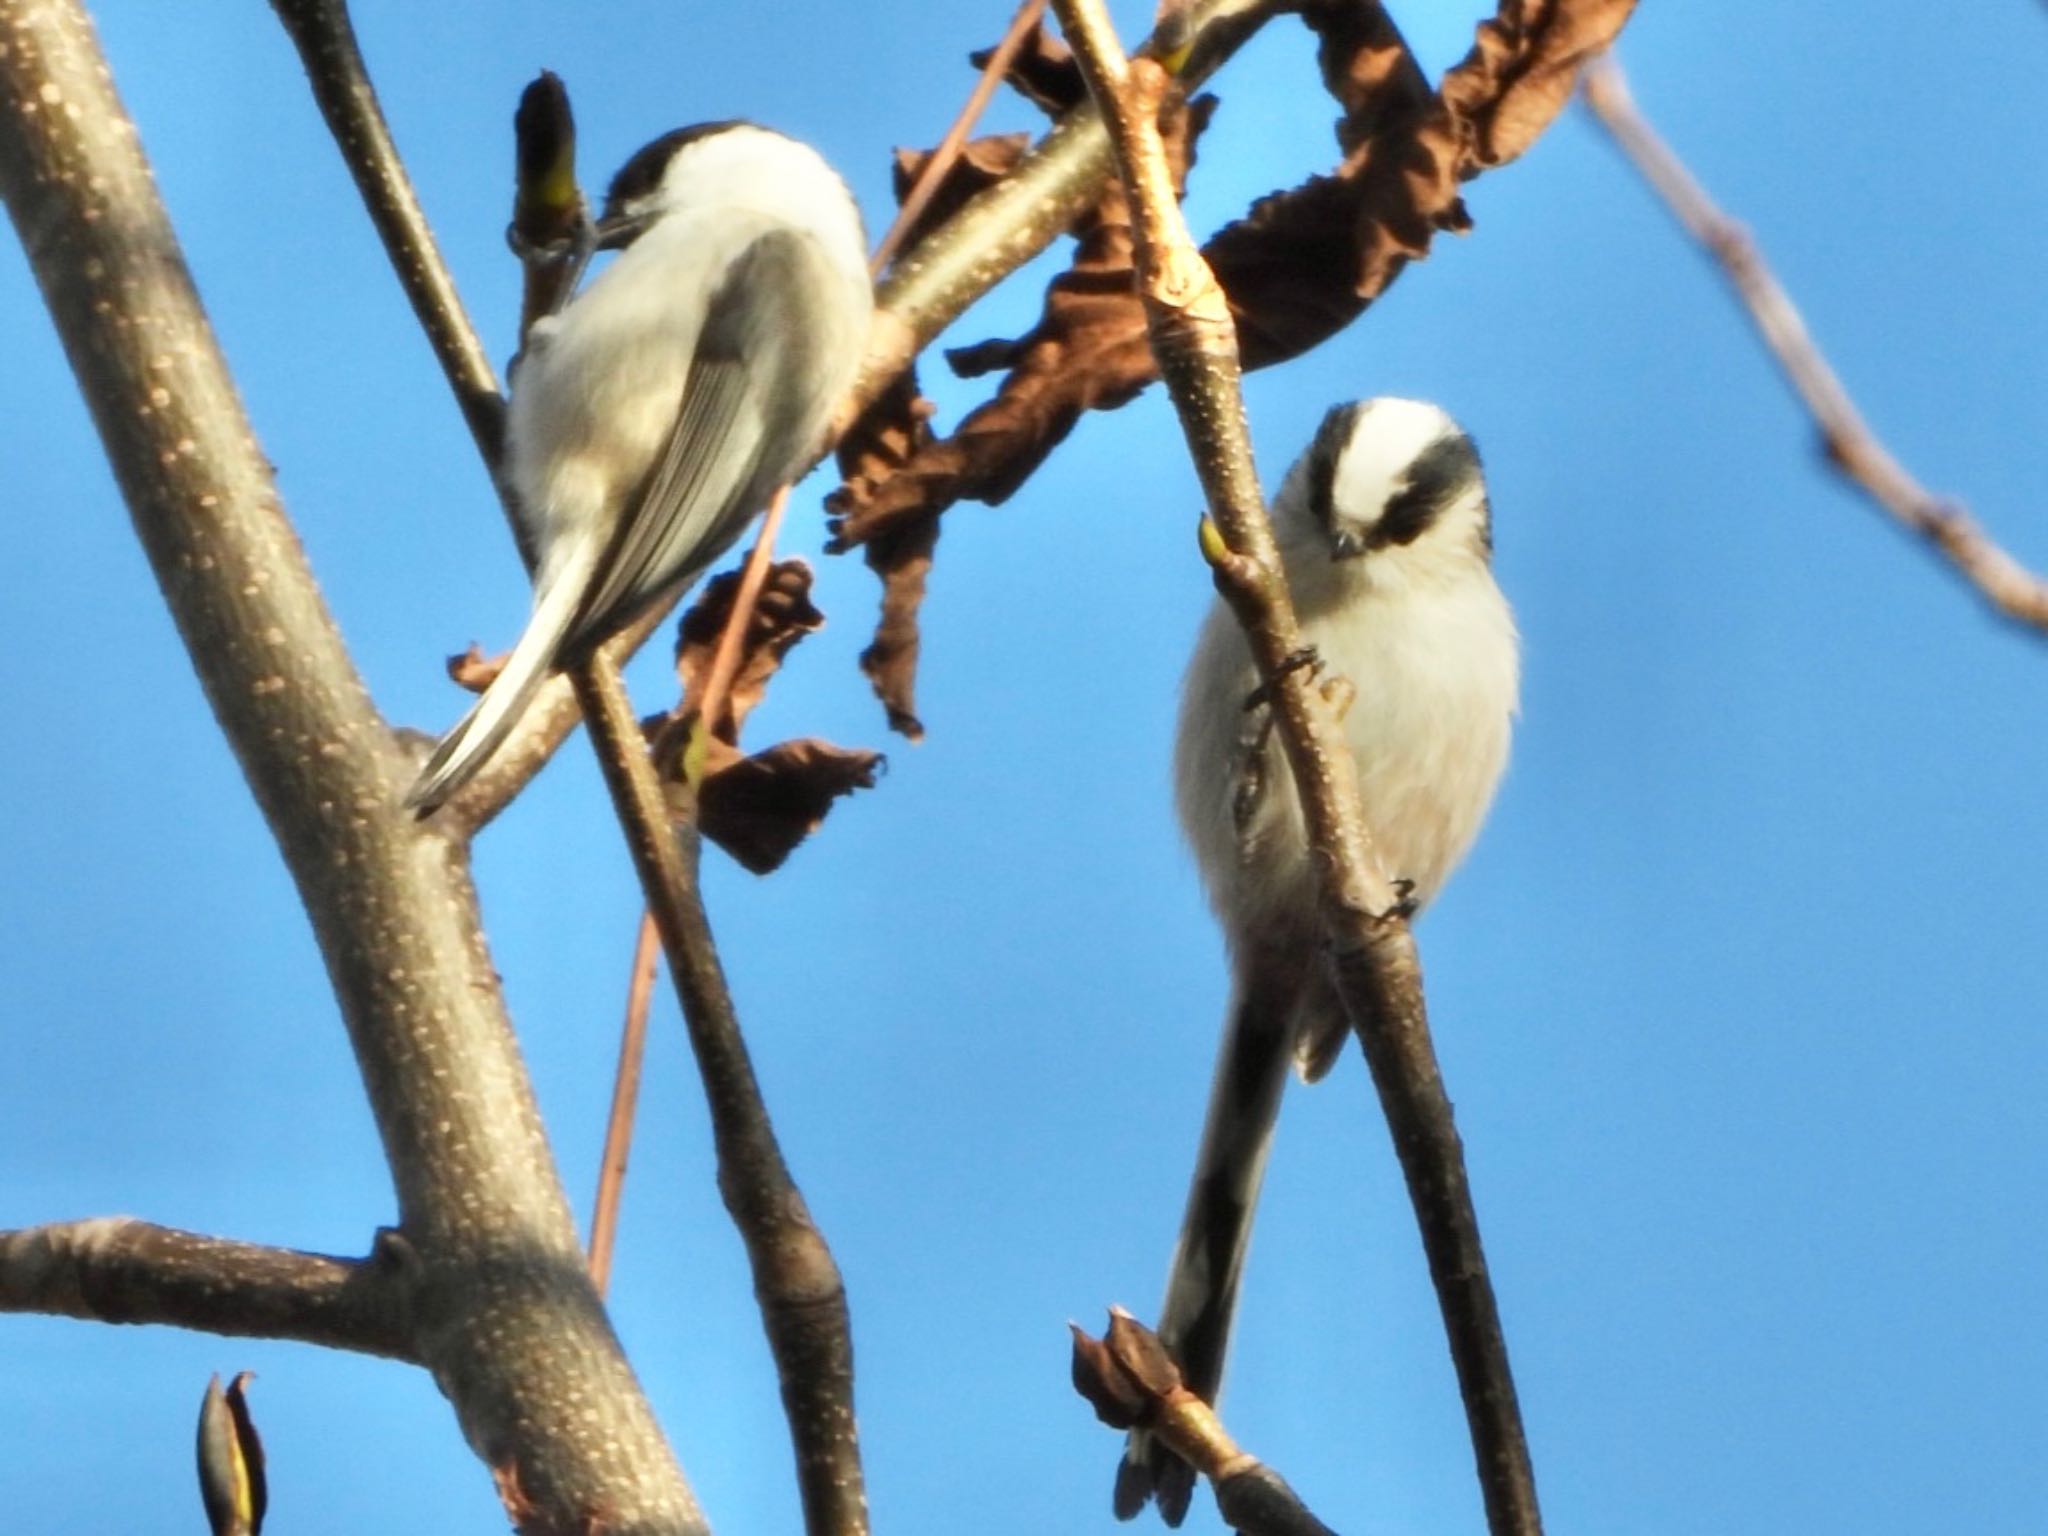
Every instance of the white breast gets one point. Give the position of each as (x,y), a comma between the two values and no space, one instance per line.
(1431,655)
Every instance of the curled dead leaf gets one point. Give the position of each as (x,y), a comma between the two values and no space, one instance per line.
(1043,73)
(783,615)
(759,808)
(981,164)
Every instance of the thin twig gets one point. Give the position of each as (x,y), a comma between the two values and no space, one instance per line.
(1133,1382)
(115,1269)
(725,661)
(618,1130)
(802,1299)
(1373,955)
(326,40)
(1847,441)
(934,170)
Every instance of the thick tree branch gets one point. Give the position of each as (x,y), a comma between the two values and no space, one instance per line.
(1373,953)
(1847,440)
(504,1313)
(115,1269)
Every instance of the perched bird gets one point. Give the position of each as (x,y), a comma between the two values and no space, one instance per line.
(658,411)
(1386,538)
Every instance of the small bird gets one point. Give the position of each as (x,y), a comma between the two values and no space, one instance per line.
(657,412)
(1386,538)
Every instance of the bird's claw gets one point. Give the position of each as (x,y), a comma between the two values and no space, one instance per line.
(1294,661)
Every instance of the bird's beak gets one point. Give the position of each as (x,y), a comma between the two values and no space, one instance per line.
(1348,544)
(616,231)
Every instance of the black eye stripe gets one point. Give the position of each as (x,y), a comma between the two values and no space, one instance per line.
(1444,471)
(642,174)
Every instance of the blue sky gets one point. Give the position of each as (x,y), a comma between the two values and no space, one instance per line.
(1739,996)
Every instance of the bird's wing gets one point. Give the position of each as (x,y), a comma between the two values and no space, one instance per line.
(733,439)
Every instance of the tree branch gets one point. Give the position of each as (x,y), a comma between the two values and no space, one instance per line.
(115,1269)
(796,1281)
(326,41)
(504,1312)
(919,197)
(1132,1382)
(1847,440)
(618,1130)
(932,283)
(1373,953)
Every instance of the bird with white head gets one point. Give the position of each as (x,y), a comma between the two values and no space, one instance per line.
(1386,538)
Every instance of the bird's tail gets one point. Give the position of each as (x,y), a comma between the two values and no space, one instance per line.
(557,600)
(1201,1288)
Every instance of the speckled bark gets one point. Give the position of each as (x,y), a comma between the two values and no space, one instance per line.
(503,1311)
(114,1269)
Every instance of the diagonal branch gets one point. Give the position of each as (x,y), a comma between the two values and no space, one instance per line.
(919,197)
(505,1314)
(796,1281)
(930,285)
(1847,440)
(115,1269)
(1373,953)
(326,41)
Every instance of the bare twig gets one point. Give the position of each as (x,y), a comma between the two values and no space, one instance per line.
(326,41)
(1132,1382)
(1847,441)
(115,1269)
(803,1300)
(618,1130)
(1373,953)
(504,1312)
(725,661)
(934,170)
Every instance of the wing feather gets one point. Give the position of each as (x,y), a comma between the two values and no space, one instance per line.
(742,422)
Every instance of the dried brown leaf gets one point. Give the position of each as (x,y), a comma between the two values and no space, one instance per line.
(1043,73)
(876,450)
(981,164)
(782,616)
(1521,71)
(759,808)
(902,557)
(1087,352)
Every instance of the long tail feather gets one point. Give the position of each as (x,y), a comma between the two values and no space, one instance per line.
(1201,1289)
(462,753)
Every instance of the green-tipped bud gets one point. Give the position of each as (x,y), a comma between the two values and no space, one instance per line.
(546,204)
